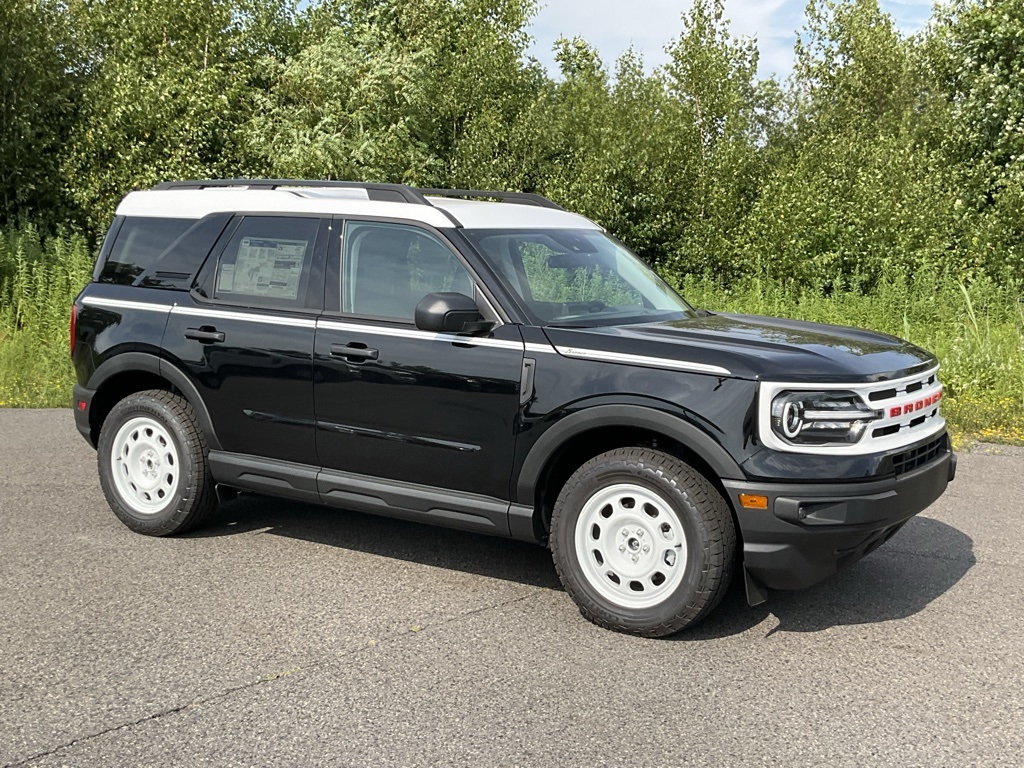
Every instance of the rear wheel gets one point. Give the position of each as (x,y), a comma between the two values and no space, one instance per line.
(153,464)
(642,542)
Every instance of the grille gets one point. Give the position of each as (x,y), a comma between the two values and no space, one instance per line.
(918,457)
(911,415)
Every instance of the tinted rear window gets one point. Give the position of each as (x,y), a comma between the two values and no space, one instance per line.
(161,253)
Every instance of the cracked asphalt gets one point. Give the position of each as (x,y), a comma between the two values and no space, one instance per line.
(286,634)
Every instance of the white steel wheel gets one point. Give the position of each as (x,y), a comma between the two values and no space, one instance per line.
(642,542)
(153,464)
(630,545)
(145,465)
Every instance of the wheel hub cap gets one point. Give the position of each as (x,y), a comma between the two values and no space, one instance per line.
(630,545)
(144,464)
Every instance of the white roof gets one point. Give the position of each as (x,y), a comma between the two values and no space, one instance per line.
(471,214)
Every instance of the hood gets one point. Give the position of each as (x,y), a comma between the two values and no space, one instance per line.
(754,347)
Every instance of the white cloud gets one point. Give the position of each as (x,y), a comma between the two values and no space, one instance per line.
(648,26)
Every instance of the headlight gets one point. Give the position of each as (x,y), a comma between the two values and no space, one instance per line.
(821,418)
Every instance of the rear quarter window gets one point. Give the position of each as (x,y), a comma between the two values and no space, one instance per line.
(161,253)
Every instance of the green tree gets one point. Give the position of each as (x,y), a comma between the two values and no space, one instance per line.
(719,115)
(171,85)
(976,57)
(668,161)
(417,92)
(852,193)
(39,89)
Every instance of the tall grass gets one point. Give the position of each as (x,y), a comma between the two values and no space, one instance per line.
(38,281)
(977,330)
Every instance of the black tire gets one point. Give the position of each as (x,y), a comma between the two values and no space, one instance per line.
(189,497)
(699,515)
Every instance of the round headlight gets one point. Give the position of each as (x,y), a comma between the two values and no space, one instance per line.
(792,418)
(821,418)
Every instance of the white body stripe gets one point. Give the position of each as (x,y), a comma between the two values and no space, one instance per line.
(643,360)
(144,306)
(540,349)
(248,317)
(412,333)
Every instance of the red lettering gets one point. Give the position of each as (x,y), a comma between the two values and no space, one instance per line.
(926,402)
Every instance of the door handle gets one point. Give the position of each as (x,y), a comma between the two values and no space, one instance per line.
(354,351)
(206,334)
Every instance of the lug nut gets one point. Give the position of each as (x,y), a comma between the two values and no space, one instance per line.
(639,532)
(622,547)
(636,558)
(646,548)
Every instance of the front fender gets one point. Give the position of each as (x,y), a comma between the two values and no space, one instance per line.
(629,416)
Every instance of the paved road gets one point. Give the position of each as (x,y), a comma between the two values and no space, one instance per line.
(286,634)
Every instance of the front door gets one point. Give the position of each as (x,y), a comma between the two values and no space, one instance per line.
(397,403)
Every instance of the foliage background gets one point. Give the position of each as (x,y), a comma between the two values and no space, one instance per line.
(881,184)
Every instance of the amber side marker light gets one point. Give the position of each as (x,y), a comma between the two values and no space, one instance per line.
(752,501)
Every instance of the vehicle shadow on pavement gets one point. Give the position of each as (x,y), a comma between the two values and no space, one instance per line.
(920,564)
(388,537)
(901,578)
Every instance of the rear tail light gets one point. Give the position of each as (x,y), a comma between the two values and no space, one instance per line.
(73,329)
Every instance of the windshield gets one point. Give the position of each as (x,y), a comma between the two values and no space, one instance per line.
(577,277)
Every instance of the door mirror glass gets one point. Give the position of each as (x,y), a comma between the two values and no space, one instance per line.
(450,313)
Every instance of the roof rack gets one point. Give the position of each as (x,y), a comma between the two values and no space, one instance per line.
(394,193)
(522,198)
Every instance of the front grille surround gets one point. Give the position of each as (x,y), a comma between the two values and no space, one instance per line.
(908,412)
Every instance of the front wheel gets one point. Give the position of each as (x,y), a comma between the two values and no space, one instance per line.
(153,467)
(642,542)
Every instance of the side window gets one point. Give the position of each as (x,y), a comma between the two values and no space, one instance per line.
(140,243)
(389,268)
(267,262)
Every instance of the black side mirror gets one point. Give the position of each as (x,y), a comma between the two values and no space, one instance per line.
(450,313)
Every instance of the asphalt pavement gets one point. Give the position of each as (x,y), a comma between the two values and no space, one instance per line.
(288,634)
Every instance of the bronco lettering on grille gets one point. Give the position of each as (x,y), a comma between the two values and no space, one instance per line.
(917,405)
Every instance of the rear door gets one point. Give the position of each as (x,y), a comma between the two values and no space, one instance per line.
(245,334)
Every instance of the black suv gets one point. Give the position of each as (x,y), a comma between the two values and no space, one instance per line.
(491,362)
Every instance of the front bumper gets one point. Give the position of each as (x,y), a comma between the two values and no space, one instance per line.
(811,531)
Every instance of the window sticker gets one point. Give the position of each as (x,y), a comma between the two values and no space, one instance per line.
(265,267)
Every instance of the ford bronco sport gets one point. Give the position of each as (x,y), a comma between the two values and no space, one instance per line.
(491,362)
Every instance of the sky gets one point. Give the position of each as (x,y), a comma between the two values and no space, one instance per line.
(648,25)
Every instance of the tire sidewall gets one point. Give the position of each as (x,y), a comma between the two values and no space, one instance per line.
(678,606)
(169,518)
